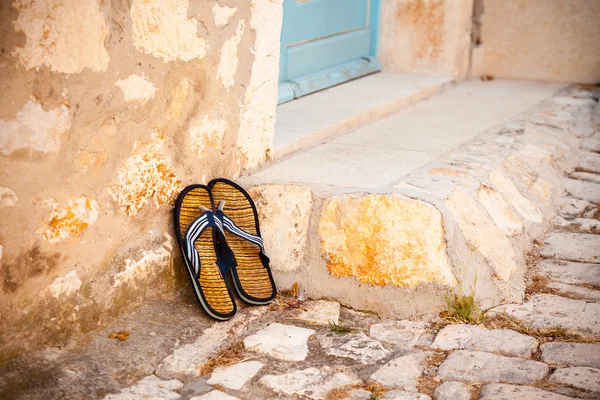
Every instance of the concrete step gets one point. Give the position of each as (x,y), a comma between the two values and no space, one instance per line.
(306,122)
(445,194)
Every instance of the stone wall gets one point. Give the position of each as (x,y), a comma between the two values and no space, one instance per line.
(553,40)
(426,36)
(108,109)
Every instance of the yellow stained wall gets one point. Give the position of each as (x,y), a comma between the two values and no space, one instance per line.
(107,110)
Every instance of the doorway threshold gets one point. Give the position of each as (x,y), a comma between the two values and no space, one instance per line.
(306,122)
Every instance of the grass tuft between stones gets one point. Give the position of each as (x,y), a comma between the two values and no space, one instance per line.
(340,329)
(228,356)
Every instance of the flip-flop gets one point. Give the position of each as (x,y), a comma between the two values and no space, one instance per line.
(250,270)
(200,234)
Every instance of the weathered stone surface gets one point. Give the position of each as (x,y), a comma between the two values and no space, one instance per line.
(49,27)
(321,312)
(35,128)
(402,333)
(481,232)
(504,391)
(582,225)
(589,161)
(228,61)
(577,354)
(402,395)
(145,176)
(151,262)
(591,144)
(284,214)
(8,198)
(64,286)
(356,346)
(526,208)
(472,337)
(575,291)
(384,240)
(477,366)
(215,395)
(207,134)
(452,391)
(498,209)
(136,88)
(149,387)
(573,208)
(189,359)
(257,115)
(314,383)
(545,311)
(286,342)
(71,220)
(587,191)
(586,176)
(570,272)
(584,378)
(222,14)
(582,247)
(164,30)
(235,376)
(402,372)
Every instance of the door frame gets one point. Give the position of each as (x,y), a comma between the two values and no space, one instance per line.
(313,82)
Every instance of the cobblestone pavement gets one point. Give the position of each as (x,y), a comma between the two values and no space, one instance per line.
(547,347)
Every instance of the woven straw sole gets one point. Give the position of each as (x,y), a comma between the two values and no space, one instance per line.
(254,282)
(211,283)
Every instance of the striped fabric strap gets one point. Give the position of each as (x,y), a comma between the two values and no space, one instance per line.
(230,226)
(193,233)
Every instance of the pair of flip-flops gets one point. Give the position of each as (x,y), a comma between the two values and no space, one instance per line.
(218,233)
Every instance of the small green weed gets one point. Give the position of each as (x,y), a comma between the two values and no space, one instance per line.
(340,329)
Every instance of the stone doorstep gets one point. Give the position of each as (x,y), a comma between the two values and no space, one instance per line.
(308,121)
(466,216)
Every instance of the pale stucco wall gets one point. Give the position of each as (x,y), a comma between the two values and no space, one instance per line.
(108,109)
(426,36)
(553,40)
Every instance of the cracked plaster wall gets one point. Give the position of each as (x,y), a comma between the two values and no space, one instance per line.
(108,109)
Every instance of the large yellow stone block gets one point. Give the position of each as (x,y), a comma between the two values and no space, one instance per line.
(384,239)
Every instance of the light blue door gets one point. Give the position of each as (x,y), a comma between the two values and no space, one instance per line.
(326,42)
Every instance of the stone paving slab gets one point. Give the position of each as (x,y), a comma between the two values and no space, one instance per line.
(149,387)
(481,367)
(582,225)
(584,378)
(504,391)
(403,333)
(235,376)
(546,311)
(583,190)
(591,144)
(286,342)
(573,208)
(586,176)
(314,383)
(402,372)
(215,395)
(570,272)
(589,161)
(576,354)
(574,291)
(472,337)
(580,247)
(402,395)
(452,391)
(356,346)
